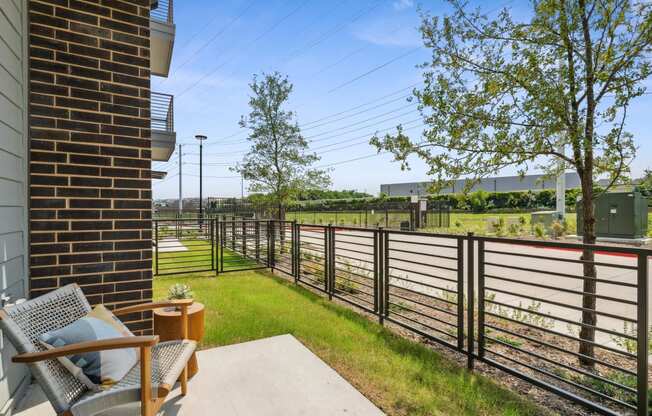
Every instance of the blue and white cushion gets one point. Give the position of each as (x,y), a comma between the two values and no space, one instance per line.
(101,369)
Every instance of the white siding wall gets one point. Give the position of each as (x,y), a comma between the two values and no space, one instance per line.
(13,176)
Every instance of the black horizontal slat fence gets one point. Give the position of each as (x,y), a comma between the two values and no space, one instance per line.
(569,318)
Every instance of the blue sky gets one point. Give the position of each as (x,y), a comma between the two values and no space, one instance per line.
(352,63)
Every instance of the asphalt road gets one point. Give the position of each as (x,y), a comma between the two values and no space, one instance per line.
(423,263)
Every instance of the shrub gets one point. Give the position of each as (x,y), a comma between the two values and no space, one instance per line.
(515,229)
(539,231)
(499,227)
(558,229)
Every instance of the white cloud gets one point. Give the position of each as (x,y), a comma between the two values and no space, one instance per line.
(402,4)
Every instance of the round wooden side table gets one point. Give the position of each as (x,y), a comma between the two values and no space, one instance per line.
(167,325)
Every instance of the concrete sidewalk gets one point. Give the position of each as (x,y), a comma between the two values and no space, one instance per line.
(275,376)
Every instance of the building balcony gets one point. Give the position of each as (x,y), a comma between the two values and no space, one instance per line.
(164,137)
(162,31)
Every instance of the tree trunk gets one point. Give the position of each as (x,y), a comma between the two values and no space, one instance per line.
(589,316)
(281,212)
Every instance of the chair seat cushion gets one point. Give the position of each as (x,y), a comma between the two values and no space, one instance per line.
(168,361)
(96,369)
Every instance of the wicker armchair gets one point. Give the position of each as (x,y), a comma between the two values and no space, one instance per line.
(148,382)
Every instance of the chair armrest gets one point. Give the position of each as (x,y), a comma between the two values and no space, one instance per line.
(154,305)
(145,341)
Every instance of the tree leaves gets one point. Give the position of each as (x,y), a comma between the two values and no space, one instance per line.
(501,93)
(278,163)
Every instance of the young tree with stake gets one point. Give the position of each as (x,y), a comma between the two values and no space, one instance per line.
(278,163)
(500,93)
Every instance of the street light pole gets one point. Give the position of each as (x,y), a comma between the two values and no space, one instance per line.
(201,139)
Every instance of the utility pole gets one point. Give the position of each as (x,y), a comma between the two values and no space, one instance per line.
(201,139)
(560,191)
(180,181)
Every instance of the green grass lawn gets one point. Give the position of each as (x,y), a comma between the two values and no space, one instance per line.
(198,257)
(460,222)
(400,376)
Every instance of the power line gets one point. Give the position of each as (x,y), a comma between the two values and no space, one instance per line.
(364,127)
(366,141)
(350,160)
(367,135)
(376,68)
(216,36)
(165,180)
(357,113)
(327,34)
(362,12)
(316,138)
(366,120)
(259,37)
(310,124)
(362,105)
(352,53)
(343,59)
(216,177)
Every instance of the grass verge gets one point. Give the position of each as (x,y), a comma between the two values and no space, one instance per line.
(400,376)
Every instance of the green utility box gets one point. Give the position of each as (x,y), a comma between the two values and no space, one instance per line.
(618,215)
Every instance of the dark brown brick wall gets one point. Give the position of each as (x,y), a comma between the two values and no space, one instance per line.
(90,187)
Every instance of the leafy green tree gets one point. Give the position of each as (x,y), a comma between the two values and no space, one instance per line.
(646,182)
(318,194)
(505,93)
(278,163)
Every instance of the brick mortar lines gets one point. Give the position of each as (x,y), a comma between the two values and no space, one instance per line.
(89,136)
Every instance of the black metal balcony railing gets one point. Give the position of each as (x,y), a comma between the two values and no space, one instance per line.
(162,112)
(162,11)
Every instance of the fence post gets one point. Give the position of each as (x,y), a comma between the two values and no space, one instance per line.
(481,303)
(257,237)
(642,347)
(385,271)
(244,238)
(272,245)
(460,294)
(156,245)
(378,270)
(233,234)
(327,263)
(211,224)
(293,252)
(298,252)
(221,243)
(217,246)
(470,274)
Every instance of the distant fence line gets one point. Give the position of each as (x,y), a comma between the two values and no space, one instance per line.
(515,305)
(391,214)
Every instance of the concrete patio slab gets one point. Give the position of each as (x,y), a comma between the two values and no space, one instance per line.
(272,376)
(275,376)
(170,245)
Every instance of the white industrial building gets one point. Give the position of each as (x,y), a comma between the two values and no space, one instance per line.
(497,184)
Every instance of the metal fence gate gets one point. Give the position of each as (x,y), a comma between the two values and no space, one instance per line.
(243,245)
(183,246)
